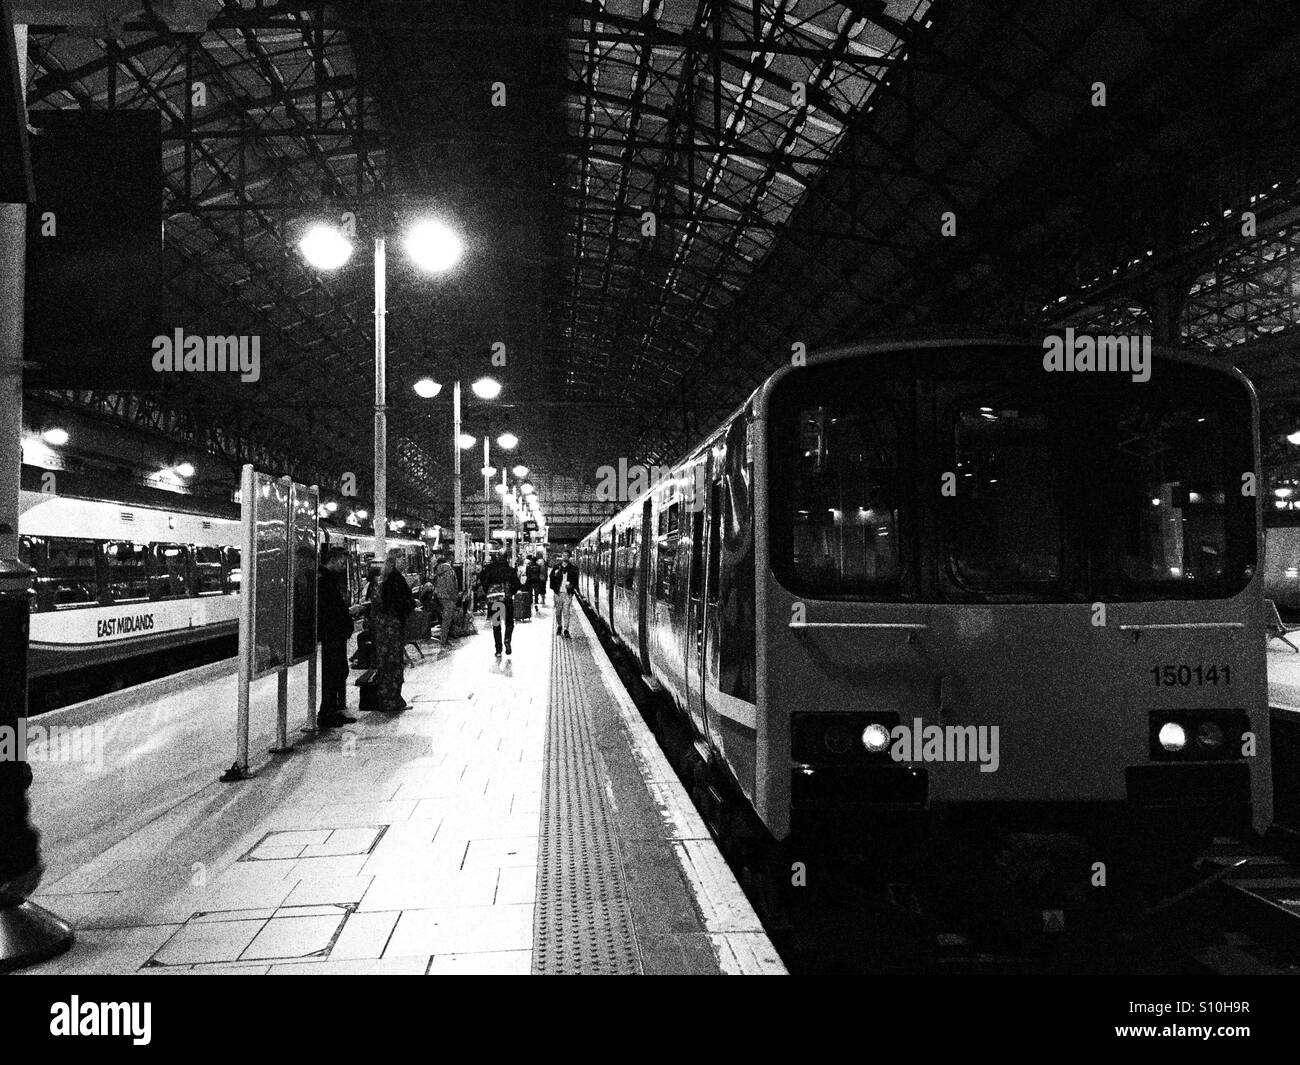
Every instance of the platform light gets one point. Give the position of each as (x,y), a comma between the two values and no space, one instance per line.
(488,471)
(527,489)
(520,471)
(1294,438)
(1283,493)
(1172,736)
(486,388)
(55,436)
(363,514)
(331,506)
(508,441)
(500,489)
(427,388)
(325,247)
(466,441)
(433,245)
(875,737)
(185,469)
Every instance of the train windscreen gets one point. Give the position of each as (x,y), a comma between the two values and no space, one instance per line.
(972,475)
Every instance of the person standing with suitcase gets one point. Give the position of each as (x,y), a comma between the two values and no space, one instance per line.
(564,585)
(498,582)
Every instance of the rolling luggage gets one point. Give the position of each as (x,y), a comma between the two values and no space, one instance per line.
(368,691)
(523,607)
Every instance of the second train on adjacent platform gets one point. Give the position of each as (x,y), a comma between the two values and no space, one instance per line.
(936,582)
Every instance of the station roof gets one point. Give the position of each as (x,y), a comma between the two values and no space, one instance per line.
(799,158)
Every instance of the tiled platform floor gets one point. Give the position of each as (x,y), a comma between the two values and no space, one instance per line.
(402,844)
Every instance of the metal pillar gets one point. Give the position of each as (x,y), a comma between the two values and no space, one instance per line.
(487,490)
(455,451)
(381,403)
(28,933)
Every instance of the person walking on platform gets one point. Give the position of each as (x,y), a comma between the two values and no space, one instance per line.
(393,604)
(534,584)
(333,629)
(498,583)
(447,592)
(564,585)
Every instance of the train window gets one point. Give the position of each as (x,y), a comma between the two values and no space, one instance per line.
(845,501)
(169,571)
(674,518)
(32,552)
(1004,522)
(697,553)
(126,571)
(70,577)
(207,571)
(234,572)
(666,551)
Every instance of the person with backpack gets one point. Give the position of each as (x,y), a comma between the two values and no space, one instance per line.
(564,584)
(498,583)
(533,582)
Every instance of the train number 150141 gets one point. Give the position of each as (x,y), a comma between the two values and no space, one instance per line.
(1186,676)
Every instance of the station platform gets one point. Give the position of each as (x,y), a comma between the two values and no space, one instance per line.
(518,818)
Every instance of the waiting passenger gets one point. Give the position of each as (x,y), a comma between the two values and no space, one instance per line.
(393,604)
(447,592)
(333,629)
(564,583)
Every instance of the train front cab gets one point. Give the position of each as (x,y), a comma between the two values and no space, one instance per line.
(1131,712)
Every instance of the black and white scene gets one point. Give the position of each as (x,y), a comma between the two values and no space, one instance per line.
(650,487)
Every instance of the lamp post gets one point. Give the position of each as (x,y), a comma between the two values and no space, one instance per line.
(433,247)
(484,388)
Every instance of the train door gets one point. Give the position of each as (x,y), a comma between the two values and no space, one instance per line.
(642,589)
(695,601)
(611,568)
(709,682)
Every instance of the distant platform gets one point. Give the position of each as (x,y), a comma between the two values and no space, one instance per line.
(518,818)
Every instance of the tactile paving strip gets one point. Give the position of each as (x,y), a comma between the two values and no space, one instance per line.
(582,922)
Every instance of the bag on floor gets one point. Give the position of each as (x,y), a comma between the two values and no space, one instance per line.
(368,690)
(523,606)
(463,624)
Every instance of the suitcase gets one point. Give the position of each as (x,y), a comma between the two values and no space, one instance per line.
(523,606)
(368,691)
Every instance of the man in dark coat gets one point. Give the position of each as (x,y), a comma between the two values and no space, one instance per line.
(333,629)
(498,582)
(564,583)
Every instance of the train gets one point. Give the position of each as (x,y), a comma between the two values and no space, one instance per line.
(935,588)
(122,577)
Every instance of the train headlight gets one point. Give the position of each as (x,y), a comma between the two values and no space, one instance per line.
(1172,736)
(838,739)
(875,738)
(1209,736)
